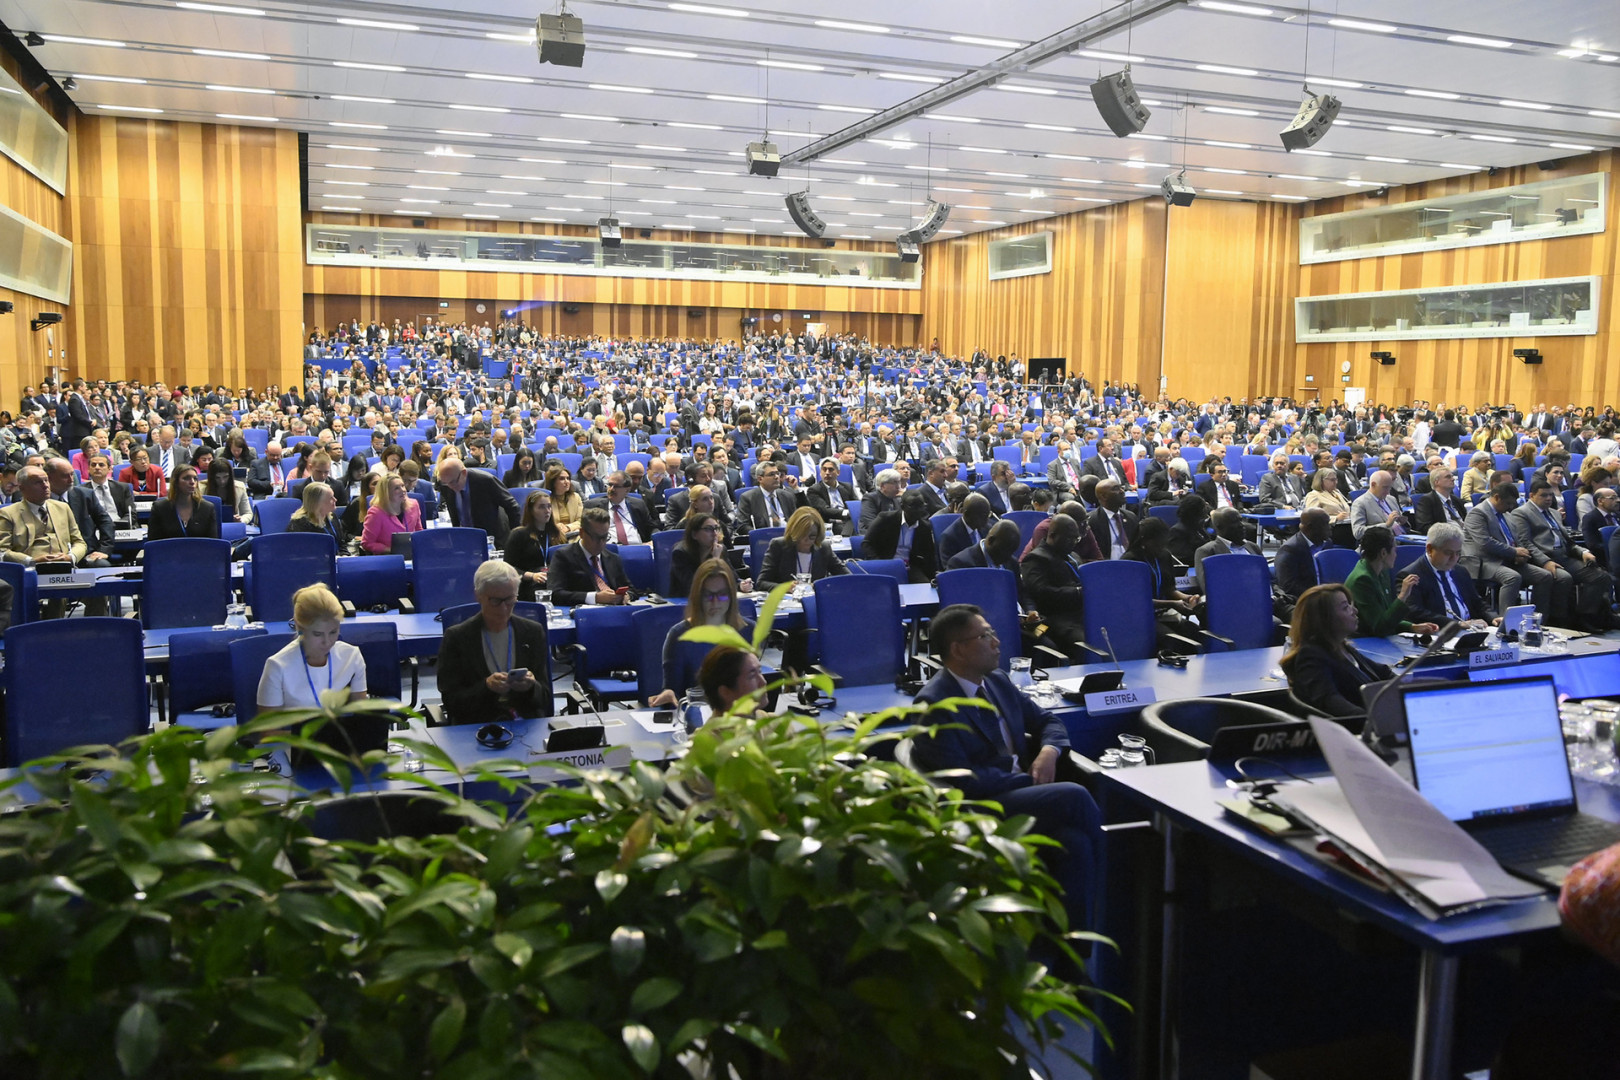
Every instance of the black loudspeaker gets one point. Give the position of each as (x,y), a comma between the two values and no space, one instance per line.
(561,39)
(798,208)
(1122,110)
(1316,114)
(646,234)
(1176,191)
(418,223)
(1384,358)
(695,313)
(609,233)
(570,309)
(908,250)
(1529,356)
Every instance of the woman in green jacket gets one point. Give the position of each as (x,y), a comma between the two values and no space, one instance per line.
(1380,607)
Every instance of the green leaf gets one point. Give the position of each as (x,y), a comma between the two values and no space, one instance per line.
(654,994)
(751,1034)
(690,1032)
(445,1032)
(771,939)
(505,851)
(515,948)
(975,930)
(629,945)
(138,1038)
(717,635)
(767,615)
(97,816)
(642,1044)
(610,883)
(177,851)
(569,956)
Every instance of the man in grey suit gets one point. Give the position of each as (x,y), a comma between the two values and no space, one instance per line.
(1278,489)
(768,505)
(1228,523)
(1491,553)
(881,501)
(1377,506)
(1536,526)
(1063,474)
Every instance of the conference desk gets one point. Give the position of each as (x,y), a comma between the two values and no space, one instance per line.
(1180,801)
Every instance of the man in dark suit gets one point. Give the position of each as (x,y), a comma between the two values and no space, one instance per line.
(828,495)
(1605,512)
(1105,464)
(1010,751)
(767,506)
(630,522)
(1050,584)
(1443,592)
(997,488)
(905,533)
(475,691)
(1538,526)
(1112,524)
(885,498)
(1296,562)
(967,530)
(476,499)
(1229,540)
(114,496)
(268,477)
(1448,432)
(998,549)
(585,572)
(936,474)
(1441,503)
(73,418)
(1220,490)
(1492,553)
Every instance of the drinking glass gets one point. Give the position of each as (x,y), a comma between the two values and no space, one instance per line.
(1021,674)
(235,616)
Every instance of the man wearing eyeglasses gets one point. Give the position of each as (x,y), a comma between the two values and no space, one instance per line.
(1010,751)
(585,572)
(630,522)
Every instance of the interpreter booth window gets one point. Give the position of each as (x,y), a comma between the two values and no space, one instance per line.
(1546,209)
(1556,306)
(1021,256)
(31,137)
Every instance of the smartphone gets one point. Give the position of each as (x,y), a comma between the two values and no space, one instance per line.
(518,674)
(663,717)
(622,589)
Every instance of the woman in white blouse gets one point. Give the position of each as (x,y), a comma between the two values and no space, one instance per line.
(315,660)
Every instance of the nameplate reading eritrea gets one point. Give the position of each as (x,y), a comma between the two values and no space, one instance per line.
(1107,701)
(1488,658)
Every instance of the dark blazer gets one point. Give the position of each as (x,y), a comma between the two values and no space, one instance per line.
(1592,531)
(754,513)
(463,669)
(1428,510)
(1327,681)
(95,525)
(1159,490)
(958,537)
(640,517)
(999,503)
(781,563)
(122,494)
(1099,528)
(1206,491)
(974,555)
(1111,469)
(820,497)
(1427,601)
(571,579)
(874,506)
(1295,565)
(979,747)
(683,566)
(258,480)
(164,523)
(1051,586)
(883,540)
(336,530)
(493,508)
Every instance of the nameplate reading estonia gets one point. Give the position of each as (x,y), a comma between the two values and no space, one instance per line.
(1107,701)
(1485,658)
(543,767)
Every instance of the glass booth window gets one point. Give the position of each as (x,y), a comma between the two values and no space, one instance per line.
(1560,306)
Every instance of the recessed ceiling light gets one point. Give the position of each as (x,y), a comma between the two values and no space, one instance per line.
(1122,58)
(839,161)
(339,165)
(1359,24)
(704,217)
(1151,187)
(737,98)
(1238,9)
(707,9)
(714,172)
(1293,198)
(1051,127)
(364,100)
(553,220)
(341,209)
(681,187)
(1346,83)
(422,202)
(339,195)
(648,50)
(902,77)
(987,221)
(657,202)
(481,108)
(500,191)
(981,150)
(64,39)
(606,183)
(1080,180)
(1018,88)
(1535,105)
(460,134)
(349,146)
(378,24)
(486,77)
(846,109)
(1219,191)
(1228,111)
(109,78)
(928,168)
(1210,168)
(1485,42)
(1089,198)
(1570,146)
(666,149)
(484,217)
(1296,176)
(221,9)
(1411,130)
(994,43)
(345,183)
(445,151)
(127,108)
(617,89)
(1603,114)
(249,117)
(837,198)
(696,127)
(1229,145)
(1315,153)
(411,213)
(1222,69)
(567,209)
(1390,160)
(956,190)
(1440,95)
(590,116)
(1009,175)
(362,127)
(792,65)
(1493,138)
(494,205)
(952,119)
(1146,135)
(1065,157)
(436,172)
(521,39)
(865,28)
(227,54)
(867,213)
(426,187)
(357,65)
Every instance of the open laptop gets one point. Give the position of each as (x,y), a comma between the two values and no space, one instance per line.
(1491,757)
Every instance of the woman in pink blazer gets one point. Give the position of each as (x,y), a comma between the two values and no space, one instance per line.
(392,511)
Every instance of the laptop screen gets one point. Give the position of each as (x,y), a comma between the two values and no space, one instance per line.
(1488,749)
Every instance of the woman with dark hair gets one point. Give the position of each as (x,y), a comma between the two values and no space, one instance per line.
(566,505)
(524,471)
(422,454)
(233,497)
(1189,532)
(354,514)
(1324,670)
(1523,465)
(354,474)
(728,675)
(1382,607)
(528,547)
(237,450)
(703,538)
(1170,604)
(711,601)
(140,475)
(184,512)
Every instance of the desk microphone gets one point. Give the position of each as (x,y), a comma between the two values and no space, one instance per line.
(1111,657)
(1372,737)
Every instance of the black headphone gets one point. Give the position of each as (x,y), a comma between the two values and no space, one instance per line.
(494,736)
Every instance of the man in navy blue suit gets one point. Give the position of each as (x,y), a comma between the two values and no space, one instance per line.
(1010,751)
(1443,592)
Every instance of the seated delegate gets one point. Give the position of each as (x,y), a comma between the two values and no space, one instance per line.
(492,666)
(392,511)
(703,538)
(712,601)
(1382,607)
(529,545)
(184,512)
(801,549)
(318,514)
(1324,670)
(728,675)
(315,660)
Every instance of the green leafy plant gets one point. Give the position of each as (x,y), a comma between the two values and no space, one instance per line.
(778,902)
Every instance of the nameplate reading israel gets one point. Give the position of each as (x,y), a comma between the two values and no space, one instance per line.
(1487,658)
(1107,701)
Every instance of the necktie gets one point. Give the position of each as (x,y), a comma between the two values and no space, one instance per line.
(167,457)
(1068,467)
(1117,550)
(104,497)
(275,477)
(596,568)
(1454,606)
(1557,534)
(775,508)
(618,523)
(1451,511)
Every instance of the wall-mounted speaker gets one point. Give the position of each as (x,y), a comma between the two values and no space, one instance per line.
(1529,356)
(1121,108)
(570,309)
(798,208)
(1384,358)
(695,313)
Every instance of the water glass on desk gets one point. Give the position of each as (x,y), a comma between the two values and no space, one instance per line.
(1021,674)
(235,616)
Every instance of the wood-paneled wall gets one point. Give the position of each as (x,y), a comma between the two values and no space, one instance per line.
(1229,298)
(1583,369)
(1101,307)
(187,252)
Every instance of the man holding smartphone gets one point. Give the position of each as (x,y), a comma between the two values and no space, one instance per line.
(487,664)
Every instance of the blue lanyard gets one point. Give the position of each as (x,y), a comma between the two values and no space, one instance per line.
(511,640)
(310,678)
(1158,577)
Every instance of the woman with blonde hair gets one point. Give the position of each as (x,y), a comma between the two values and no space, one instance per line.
(392,511)
(315,660)
(318,514)
(801,549)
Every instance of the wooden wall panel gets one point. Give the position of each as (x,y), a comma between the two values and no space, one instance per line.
(1576,369)
(1229,300)
(187,252)
(1101,307)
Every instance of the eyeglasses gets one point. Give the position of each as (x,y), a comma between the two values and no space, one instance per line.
(985,636)
(708,528)
(716,597)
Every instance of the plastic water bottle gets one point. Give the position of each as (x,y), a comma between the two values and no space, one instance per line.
(443,519)
(491,542)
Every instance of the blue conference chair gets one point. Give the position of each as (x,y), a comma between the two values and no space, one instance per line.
(858,625)
(525,609)
(758,541)
(894,568)
(200,674)
(443,562)
(651,627)
(663,545)
(378,642)
(283,563)
(186,582)
(1026,520)
(940,522)
(1119,600)
(274,514)
(639,567)
(605,653)
(1237,590)
(374,581)
(248,655)
(24,582)
(105,702)
(1333,565)
(995,591)
(1165,512)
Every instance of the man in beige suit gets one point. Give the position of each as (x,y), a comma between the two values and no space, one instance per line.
(38,530)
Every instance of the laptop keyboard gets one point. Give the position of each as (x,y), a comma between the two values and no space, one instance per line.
(1553,840)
